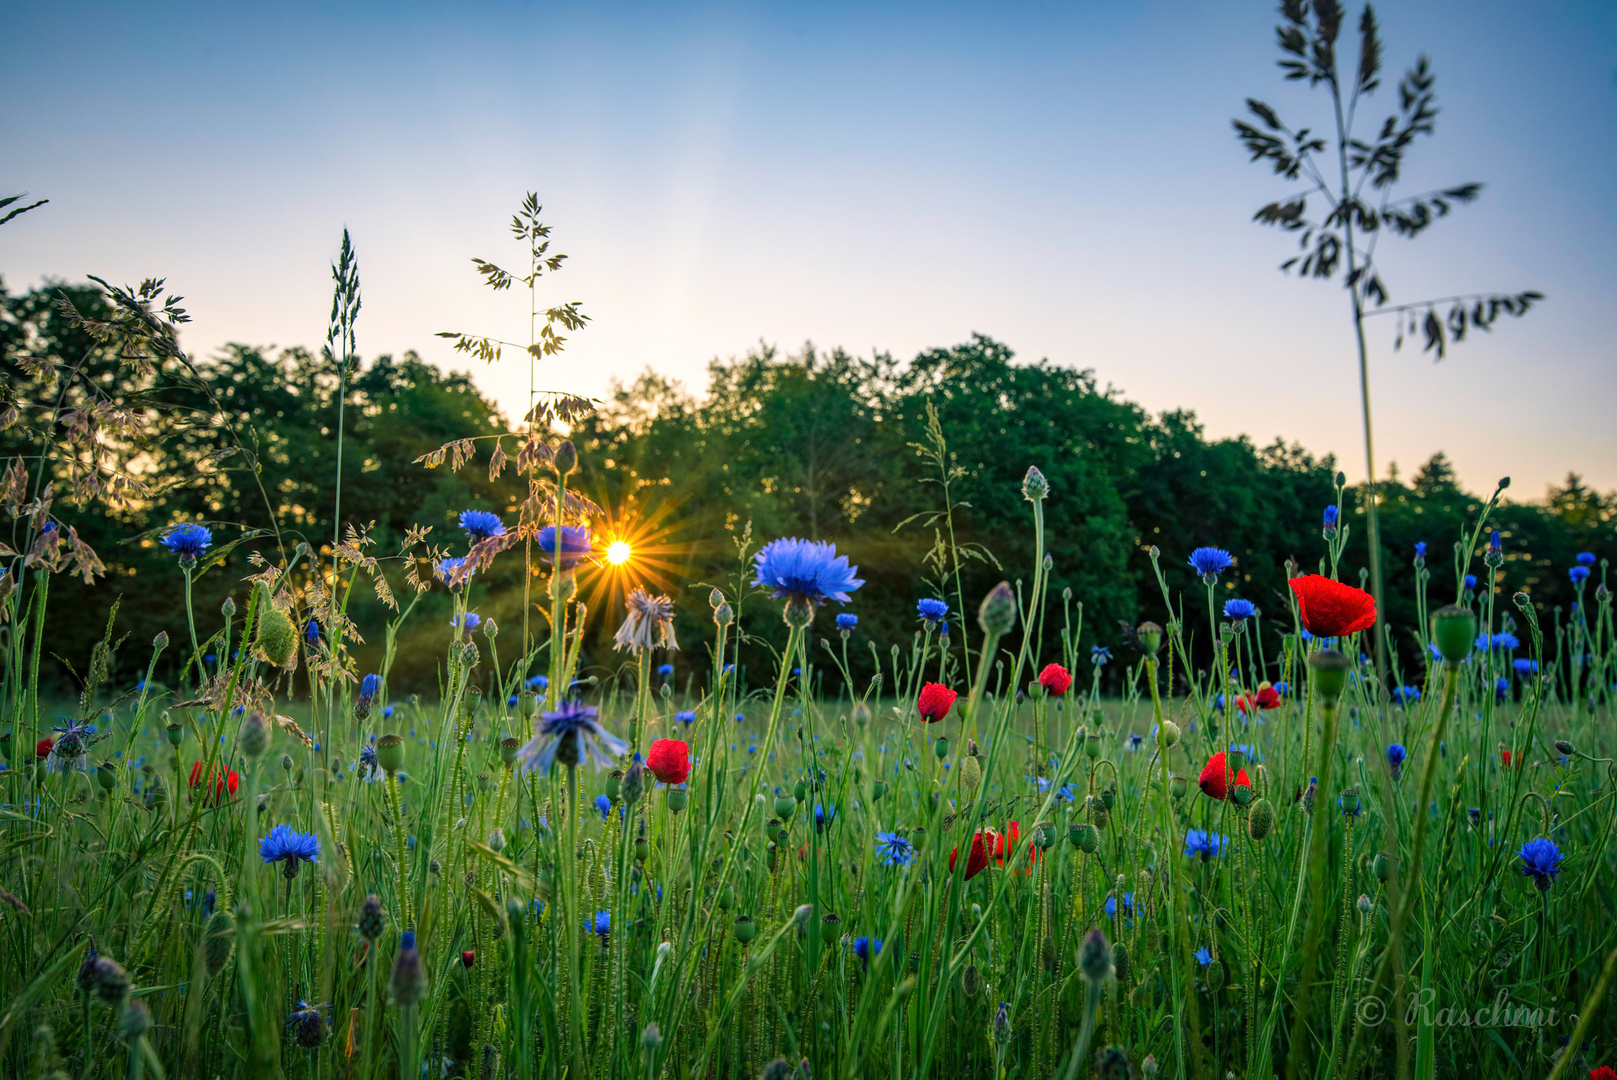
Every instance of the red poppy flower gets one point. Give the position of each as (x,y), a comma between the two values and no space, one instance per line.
(1005,845)
(935,701)
(977,859)
(43,747)
(230,781)
(1215,777)
(467,957)
(1330,608)
(1604,1072)
(669,761)
(1055,679)
(1267,697)
(1506,760)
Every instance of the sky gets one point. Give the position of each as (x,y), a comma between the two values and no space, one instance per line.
(891,177)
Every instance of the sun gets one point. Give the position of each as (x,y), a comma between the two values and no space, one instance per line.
(618,552)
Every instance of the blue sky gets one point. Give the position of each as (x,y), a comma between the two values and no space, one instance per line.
(894,177)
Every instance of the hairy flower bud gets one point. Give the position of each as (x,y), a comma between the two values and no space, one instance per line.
(566,459)
(254,736)
(218,938)
(1260,821)
(135,1022)
(409,981)
(1034,486)
(276,635)
(997,614)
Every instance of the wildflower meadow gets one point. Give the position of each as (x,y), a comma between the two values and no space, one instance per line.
(352,729)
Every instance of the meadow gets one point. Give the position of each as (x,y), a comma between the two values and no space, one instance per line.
(1282,862)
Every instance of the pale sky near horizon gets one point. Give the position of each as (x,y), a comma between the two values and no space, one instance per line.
(895,177)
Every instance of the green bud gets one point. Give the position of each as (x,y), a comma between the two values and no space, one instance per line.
(727,897)
(1095,963)
(1383,865)
(1176,786)
(1120,961)
(941,747)
(1085,837)
(218,938)
(1167,734)
(1215,975)
(1330,673)
(106,774)
(508,751)
(1260,821)
(830,927)
(997,614)
(784,807)
(1149,635)
(1034,486)
(877,790)
(614,784)
(566,459)
(390,753)
(254,737)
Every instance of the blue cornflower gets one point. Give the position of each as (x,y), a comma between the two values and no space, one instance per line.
(367,769)
(1330,516)
(1501,689)
(1405,695)
(312,632)
(1239,610)
(67,752)
(1099,655)
(1203,957)
(286,844)
(1586,558)
(188,541)
(1135,740)
(1396,754)
(603,924)
(1541,861)
(685,716)
(665,670)
(468,621)
(1471,583)
(539,682)
(931,611)
(1525,666)
(1128,905)
(310,1023)
(1420,553)
(1205,844)
(847,621)
(571,734)
(454,572)
(862,948)
(894,848)
(1578,574)
(604,805)
(1065,793)
(1209,562)
(481,524)
(740,717)
(575,544)
(805,571)
(1495,545)
(370,686)
(1502,640)
(823,814)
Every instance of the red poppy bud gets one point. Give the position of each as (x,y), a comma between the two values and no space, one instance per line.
(1055,679)
(43,747)
(467,957)
(976,859)
(1329,608)
(669,761)
(1214,780)
(935,701)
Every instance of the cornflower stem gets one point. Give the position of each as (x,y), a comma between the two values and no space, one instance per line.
(1317,856)
(399,845)
(191,623)
(642,702)
(570,921)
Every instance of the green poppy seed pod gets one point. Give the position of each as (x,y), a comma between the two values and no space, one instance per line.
(799,612)
(613,785)
(1085,837)
(1176,786)
(508,751)
(1098,813)
(1035,690)
(1565,747)
(372,921)
(727,897)
(830,927)
(109,980)
(1149,635)
(1215,975)
(785,806)
(1330,673)
(276,635)
(106,775)
(1454,632)
(390,753)
(566,459)
(1260,821)
(800,790)
(678,798)
(633,784)
(176,734)
(971,773)
(1095,958)
(135,1022)
(1383,865)
(941,747)
(1034,486)
(160,642)
(1120,962)
(254,737)
(1167,734)
(1108,799)
(1092,745)
(527,704)
(1236,759)
(218,938)
(1350,800)
(642,849)
(997,614)
(1365,904)
(1243,794)
(971,981)
(877,790)
(918,838)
